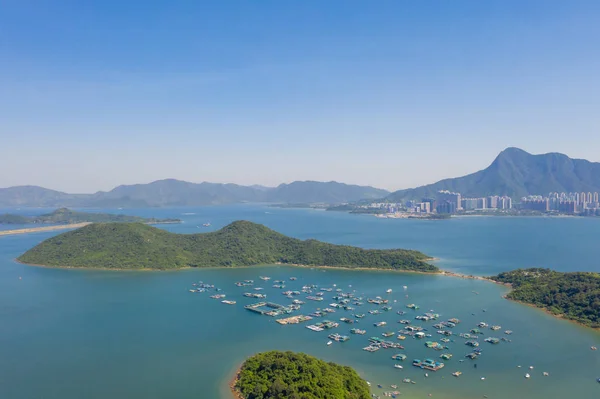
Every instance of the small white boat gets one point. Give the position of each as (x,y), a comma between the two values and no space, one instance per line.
(398,366)
(545,373)
(527,375)
(329,343)
(389,291)
(530,367)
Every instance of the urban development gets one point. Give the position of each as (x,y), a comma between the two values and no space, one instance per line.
(448,203)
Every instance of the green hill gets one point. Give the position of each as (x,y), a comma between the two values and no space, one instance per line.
(288,375)
(575,296)
(67,216)
(517,173)
(242,243)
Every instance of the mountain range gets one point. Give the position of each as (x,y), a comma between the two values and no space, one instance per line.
(517,173)
(171,192)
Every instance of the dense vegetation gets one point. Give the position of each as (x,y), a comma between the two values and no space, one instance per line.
(136,245)
(517,173)
(575,296)
(288,375)
(67,216)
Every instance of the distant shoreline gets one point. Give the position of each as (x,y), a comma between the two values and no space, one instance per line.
(66,226)
(42,229)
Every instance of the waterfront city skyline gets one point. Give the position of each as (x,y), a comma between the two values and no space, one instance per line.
(392,95)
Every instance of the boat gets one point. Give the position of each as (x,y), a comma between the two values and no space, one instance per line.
(229,302)
(399,356)
(389,291)
(527,375)
(457,373)
(545,374)
(397,366)
(428,364)
(329,343)
(206,224)
(594,348)
(380,324)
(358,331)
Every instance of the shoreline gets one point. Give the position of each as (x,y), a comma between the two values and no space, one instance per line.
(43,229)
(232,383)
(560,316)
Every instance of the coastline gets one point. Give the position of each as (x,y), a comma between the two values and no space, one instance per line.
(67,226)
(557,316)
(232,383)
(43,229)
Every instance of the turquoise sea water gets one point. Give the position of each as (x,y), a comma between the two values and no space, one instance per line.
(98,334)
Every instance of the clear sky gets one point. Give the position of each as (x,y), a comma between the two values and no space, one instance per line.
(387,93)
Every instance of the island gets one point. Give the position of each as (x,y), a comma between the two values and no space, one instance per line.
(68,216)
(288,375)
(241,243)
(574,296)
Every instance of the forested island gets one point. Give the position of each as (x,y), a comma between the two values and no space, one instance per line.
(241,243)
(574,296)
(68,216)
(288,375)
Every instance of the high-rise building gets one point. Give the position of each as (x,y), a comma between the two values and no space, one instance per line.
(445,195)
(595,199)
(492,202)
(582,198)
(589,198)
(446,207)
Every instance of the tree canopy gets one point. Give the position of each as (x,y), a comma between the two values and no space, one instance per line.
(242,243)
(288,375)
(575,295)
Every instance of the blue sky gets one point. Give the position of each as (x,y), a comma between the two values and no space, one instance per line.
(388,93)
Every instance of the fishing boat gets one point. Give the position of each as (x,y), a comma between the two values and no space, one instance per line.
(358,331)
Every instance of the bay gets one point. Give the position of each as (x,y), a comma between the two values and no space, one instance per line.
(96,334)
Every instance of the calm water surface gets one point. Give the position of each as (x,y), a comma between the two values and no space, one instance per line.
(97,334)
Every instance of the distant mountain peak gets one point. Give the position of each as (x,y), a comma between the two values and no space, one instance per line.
(517,173)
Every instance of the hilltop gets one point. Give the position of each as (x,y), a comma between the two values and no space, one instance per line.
(276,375)
(241,243)
(517,173)
(68,216)
(172,192)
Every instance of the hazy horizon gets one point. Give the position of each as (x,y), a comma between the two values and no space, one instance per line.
(390,94)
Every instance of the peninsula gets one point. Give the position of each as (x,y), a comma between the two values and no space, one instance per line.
(275,374)
(42,229)
(241,243)
(574,296)
(68,216)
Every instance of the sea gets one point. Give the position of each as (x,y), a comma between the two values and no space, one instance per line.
(72,334)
